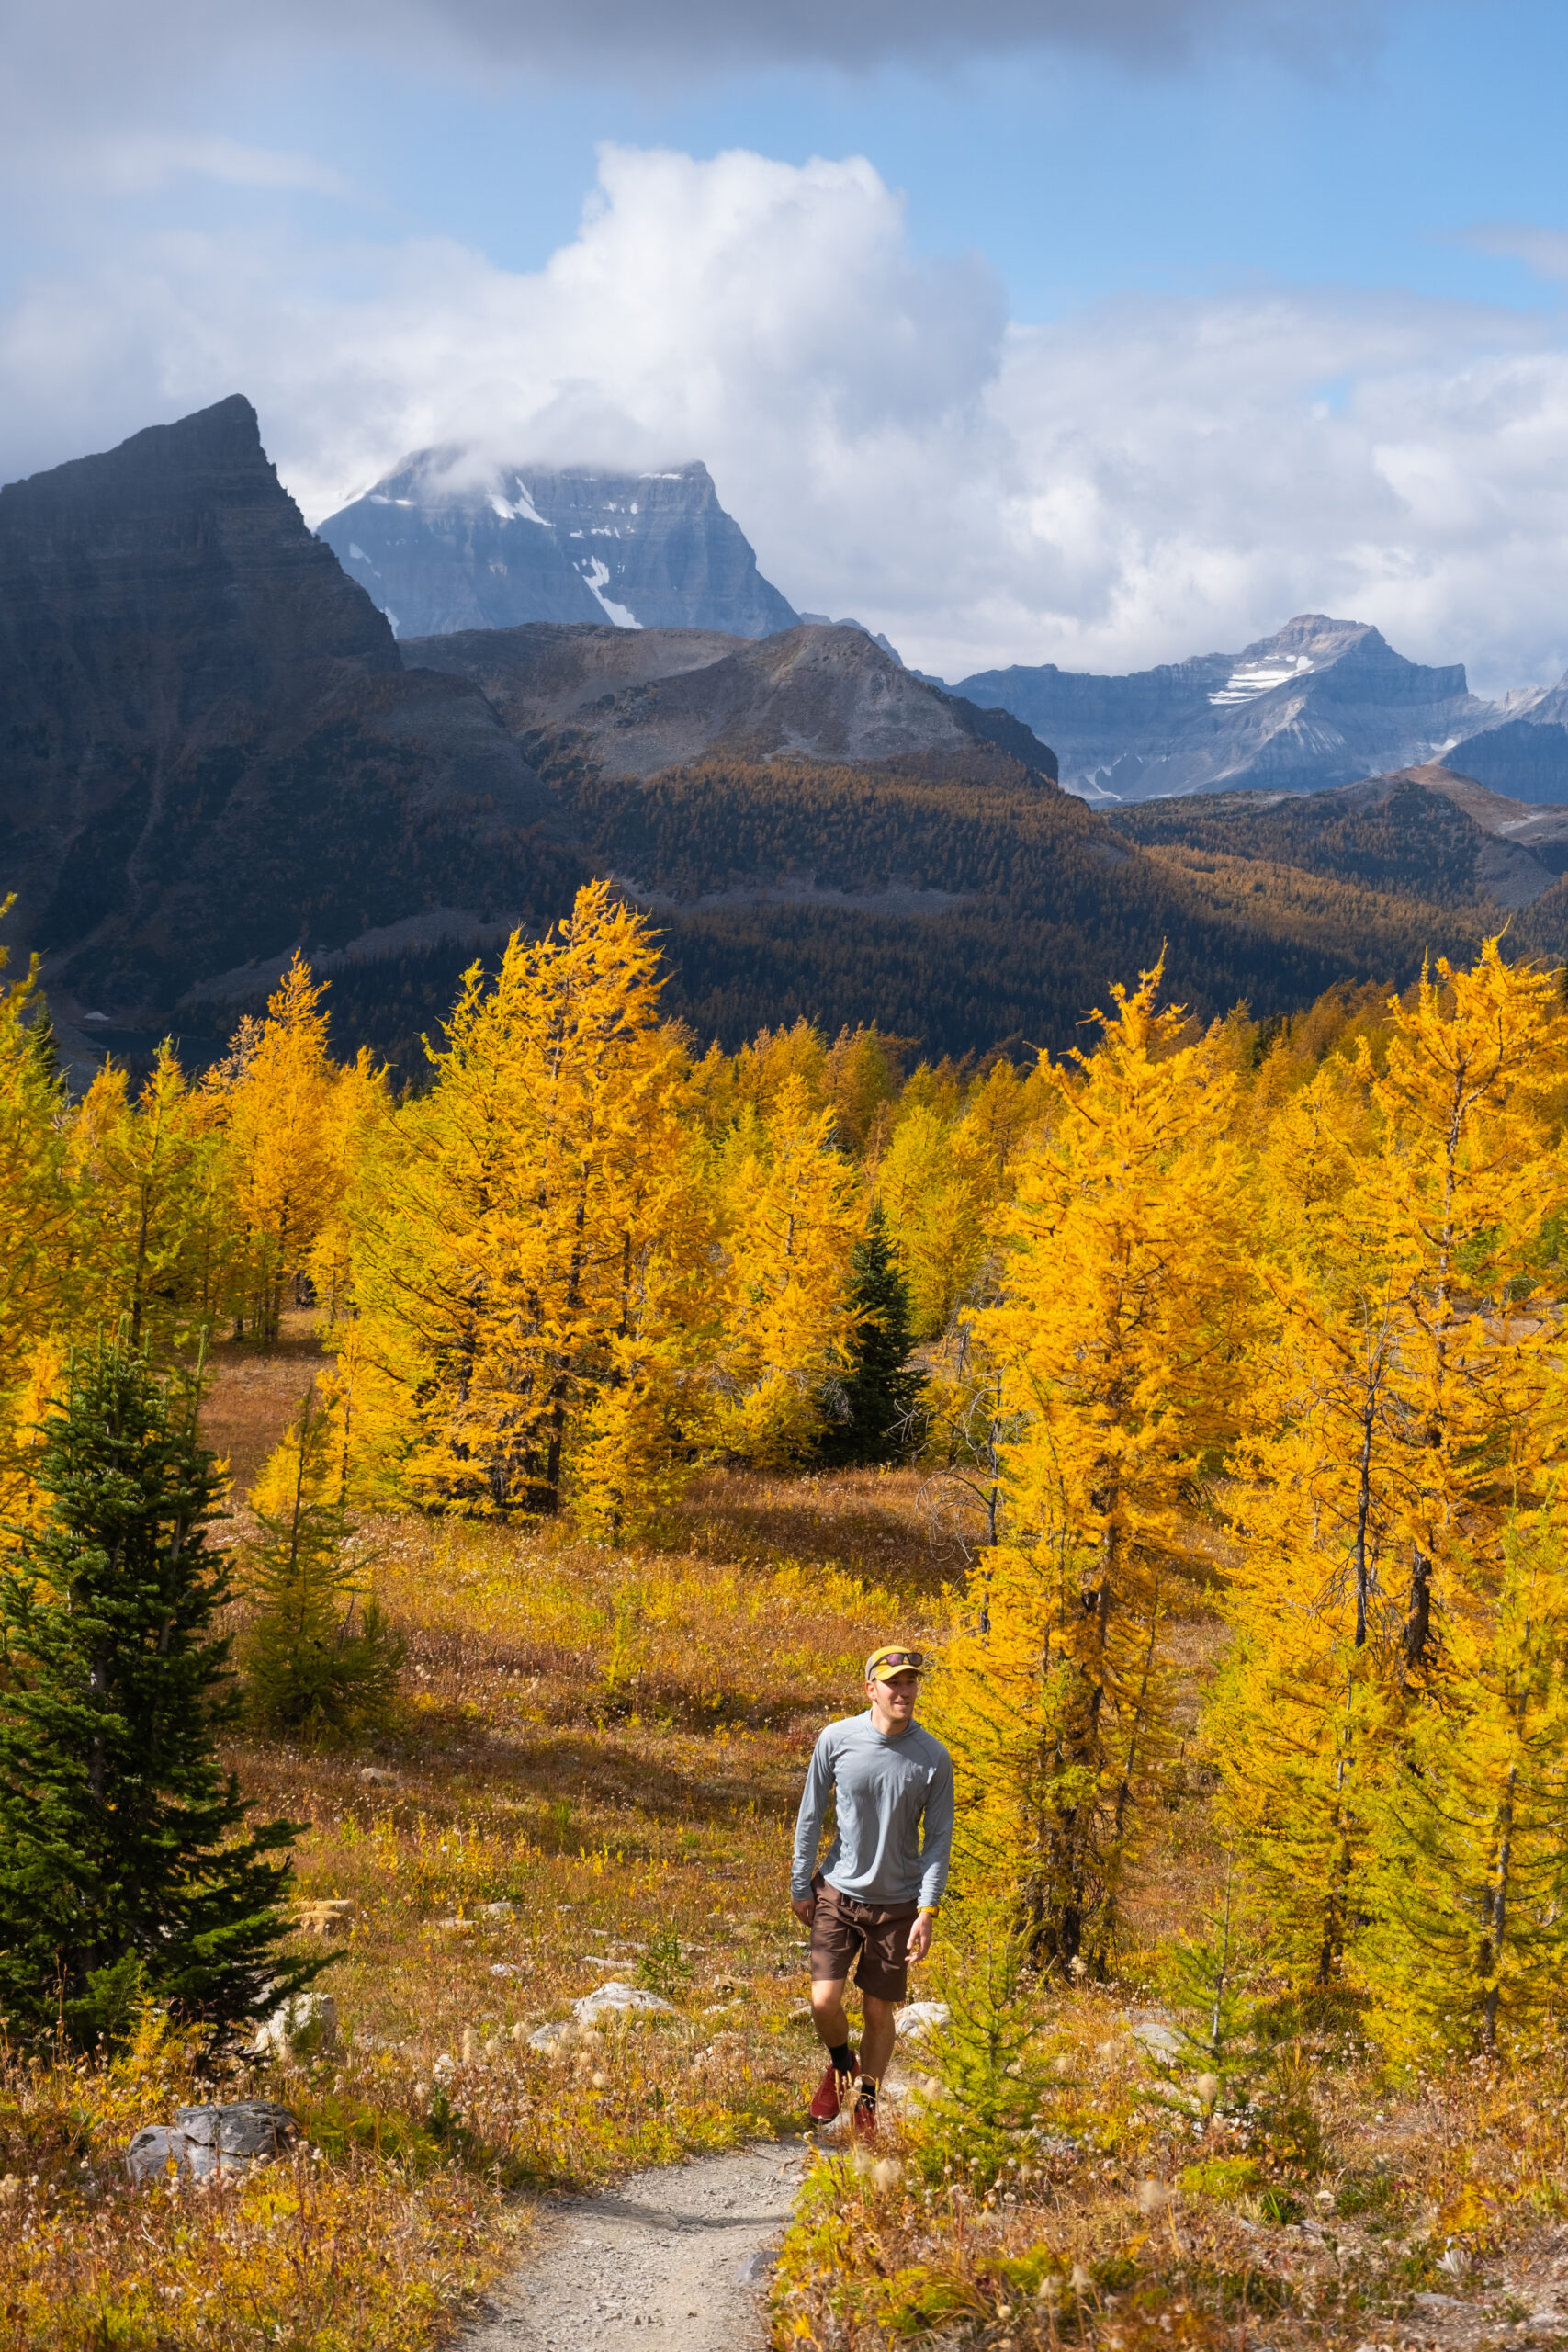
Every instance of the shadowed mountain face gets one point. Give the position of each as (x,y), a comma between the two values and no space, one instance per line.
(210,747)
(630,704)
(440,546)
(1320,703)
(1525,754)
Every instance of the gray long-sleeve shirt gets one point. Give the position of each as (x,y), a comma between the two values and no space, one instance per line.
(889,1790)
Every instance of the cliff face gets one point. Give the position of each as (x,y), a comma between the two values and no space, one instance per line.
(210,747)
(443,545)
(1319,704)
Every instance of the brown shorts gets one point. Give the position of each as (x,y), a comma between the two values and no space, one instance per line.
(841,1927)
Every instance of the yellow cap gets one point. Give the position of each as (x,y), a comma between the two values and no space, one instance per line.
(883,1664)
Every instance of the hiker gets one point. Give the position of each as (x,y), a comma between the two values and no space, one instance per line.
(876,1893)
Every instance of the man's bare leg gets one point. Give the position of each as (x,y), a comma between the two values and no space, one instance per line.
(878,2035)
(829,2012)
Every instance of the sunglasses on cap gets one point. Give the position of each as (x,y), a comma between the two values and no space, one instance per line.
(883,1664)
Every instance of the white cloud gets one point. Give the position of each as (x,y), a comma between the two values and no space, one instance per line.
(1138,482)
(133,165)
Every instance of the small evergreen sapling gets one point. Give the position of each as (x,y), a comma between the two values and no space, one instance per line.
(993,2056)
(873,1412)
(308,1670)
(126,1871)
(1212,1979)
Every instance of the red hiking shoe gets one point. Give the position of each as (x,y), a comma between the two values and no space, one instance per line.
(863,2122)
(829,2095)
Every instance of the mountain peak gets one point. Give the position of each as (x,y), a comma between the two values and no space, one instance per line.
(453,539)
(1318,703)
(216,450)
(1315,635)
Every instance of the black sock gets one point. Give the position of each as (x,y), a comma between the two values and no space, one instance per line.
(867,2090)
(843,2058)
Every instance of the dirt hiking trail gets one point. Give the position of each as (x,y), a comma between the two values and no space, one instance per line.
(667,2258)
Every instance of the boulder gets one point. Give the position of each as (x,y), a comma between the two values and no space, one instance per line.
(919,2017)
(556,2036)
(216,2139)
(304,2026)
(615,1997)
(1162,2042)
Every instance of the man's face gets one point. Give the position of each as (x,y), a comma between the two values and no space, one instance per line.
(895,1700)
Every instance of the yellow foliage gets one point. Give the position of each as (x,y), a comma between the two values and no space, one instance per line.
(283,1143)
(38,1283)
(793,1209)
(936,1190)
(359,1103)
(1126,1300)
(725,1087)
(156,1211)
(529,1248)
(22,1502)
(1400,1420)
(1470,1925)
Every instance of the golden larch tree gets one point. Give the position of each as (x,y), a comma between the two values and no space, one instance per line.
(39,1287)
(157,1215)
(1399,1423)
(1468,1896)
(277,1098)
(1126,1297)
(793,1208)
(528,1249)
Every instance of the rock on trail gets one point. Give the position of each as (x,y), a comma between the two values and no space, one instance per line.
(667,2257)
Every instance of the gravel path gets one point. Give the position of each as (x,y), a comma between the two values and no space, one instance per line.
(667,2258)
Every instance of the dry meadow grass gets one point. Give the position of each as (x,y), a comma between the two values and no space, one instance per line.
(594,1774)
(1363,2213)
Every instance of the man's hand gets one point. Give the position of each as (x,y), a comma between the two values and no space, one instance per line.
(804,1909)
(920,1936)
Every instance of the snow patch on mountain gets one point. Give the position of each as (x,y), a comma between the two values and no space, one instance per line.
(1250,679)
(597,575)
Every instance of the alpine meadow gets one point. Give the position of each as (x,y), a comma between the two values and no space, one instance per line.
(439,1519)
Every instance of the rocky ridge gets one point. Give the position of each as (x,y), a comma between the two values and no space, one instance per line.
(631,704)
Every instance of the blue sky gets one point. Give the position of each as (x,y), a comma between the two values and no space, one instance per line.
(1151,321)
(1076,175)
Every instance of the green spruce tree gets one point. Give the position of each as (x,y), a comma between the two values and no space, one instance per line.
(126,1866)
(873,1412)
(309,1668)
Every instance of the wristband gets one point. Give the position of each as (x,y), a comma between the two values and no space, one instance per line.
(929,1910)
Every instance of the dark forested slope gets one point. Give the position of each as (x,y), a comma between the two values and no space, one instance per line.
(960,902)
